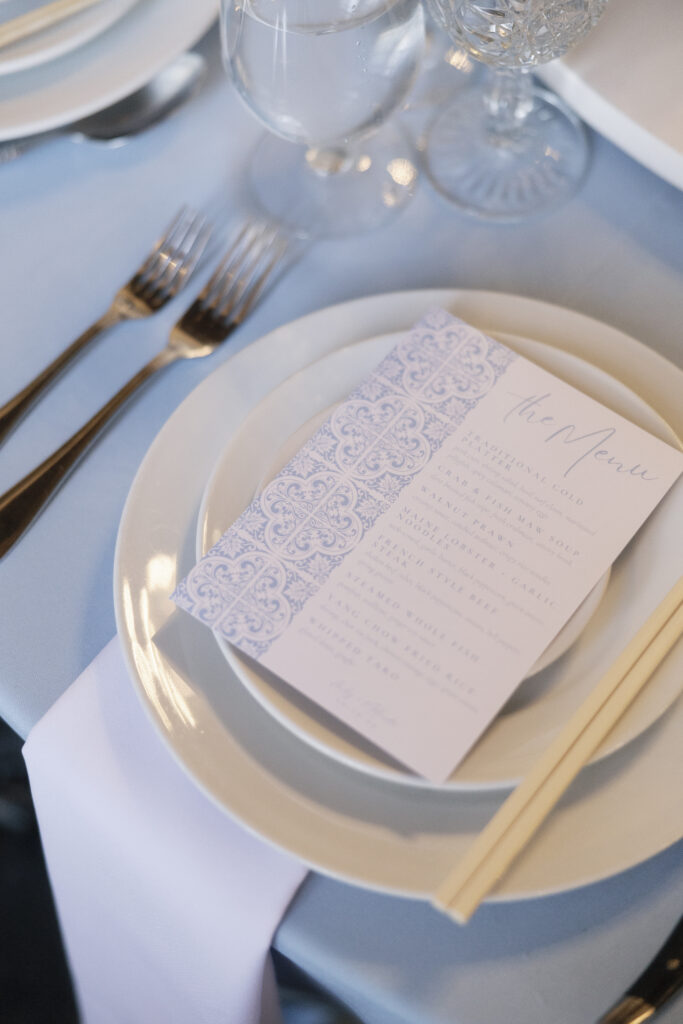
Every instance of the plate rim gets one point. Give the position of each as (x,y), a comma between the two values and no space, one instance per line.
(381,312)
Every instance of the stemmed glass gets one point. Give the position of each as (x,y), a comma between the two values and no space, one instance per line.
(509,148)
(323,76)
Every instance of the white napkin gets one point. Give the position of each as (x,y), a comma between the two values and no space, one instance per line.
(167,906)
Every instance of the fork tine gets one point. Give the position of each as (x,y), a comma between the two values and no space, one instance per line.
(237,276)
(185,257)
(163,252)
(212,289)
(234,289)
(232,266)
(168,240)
(192,258)
(176,263)
(250,265)
(252,293)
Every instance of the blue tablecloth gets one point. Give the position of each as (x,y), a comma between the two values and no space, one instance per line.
(75,219)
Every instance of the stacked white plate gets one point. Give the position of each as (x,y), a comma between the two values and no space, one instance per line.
(295,778)
(91,59)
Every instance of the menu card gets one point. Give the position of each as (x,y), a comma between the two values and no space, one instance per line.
(418,554)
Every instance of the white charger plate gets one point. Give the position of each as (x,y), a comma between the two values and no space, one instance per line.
(373,833)
(624,79)
(543,703)
(58,39)
(109,67)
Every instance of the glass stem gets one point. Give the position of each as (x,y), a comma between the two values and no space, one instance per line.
(508,100)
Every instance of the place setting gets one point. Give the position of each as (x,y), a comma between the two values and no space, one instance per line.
(398,585)
(296,738)
(313,185)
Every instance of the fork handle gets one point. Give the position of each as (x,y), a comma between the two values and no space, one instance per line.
(21,504)
(12,411)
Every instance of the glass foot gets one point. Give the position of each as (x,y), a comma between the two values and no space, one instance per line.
(334,192)
(507,175)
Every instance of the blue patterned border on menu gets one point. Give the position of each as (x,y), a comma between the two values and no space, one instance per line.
(284,546)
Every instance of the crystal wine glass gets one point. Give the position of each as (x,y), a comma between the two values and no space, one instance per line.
(509,149)
(324,76)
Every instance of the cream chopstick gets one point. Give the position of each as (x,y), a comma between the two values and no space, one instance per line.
(526,808)
(43,17)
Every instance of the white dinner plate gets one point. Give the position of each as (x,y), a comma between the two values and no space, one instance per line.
(58,39)
(340,821)
(624,79)
(104,70)
(536,713)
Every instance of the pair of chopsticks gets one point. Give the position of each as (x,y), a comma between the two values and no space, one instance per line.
(526,808)
(42,17)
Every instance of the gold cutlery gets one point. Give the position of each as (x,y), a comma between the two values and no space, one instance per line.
(235,287)
(659,982)
(154,283)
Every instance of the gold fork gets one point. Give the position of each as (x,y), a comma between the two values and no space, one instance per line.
(154,283)
(240,280)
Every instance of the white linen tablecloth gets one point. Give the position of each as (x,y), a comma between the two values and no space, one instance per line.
(197,898)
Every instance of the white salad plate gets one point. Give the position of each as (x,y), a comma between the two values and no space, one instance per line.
(536,713)
(340,821)
(58,39)
(624,79)
(105,69)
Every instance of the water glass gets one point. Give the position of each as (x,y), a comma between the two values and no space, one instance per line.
(507,148)
(324,76)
